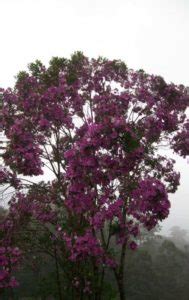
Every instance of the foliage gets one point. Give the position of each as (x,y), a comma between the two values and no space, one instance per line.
(97,126)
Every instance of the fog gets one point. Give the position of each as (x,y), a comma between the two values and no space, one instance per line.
(152,35)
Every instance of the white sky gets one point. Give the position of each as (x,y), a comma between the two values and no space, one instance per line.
(147,34)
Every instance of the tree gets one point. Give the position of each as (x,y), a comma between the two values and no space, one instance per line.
(179,237)
(97,126)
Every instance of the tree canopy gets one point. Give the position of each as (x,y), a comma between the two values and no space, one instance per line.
(97,126)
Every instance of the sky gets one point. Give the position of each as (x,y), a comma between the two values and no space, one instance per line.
(146,34)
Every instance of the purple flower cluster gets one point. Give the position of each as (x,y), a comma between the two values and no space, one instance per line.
(9,257)
(149,202)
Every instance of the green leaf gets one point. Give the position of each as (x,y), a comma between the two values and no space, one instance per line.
(129,142)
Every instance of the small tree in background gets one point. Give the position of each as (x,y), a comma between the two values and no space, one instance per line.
(97,126)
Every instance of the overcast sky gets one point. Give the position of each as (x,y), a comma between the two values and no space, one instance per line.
(148,34)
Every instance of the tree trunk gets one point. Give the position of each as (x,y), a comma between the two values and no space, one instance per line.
(57,275)
(120,283)
(120,274)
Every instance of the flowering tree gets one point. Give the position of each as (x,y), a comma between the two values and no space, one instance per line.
(97,126)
